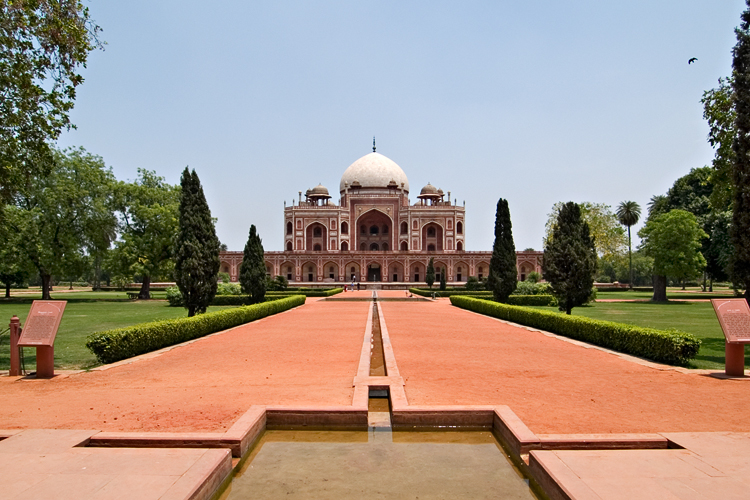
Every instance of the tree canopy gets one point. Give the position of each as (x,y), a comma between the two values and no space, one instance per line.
(603,225)
(503,272)
(430,274)
(673,240)
(718,110)
(253,268)
(43,46)
(65,215)
(149,212)
(740,232)
(196,247)
(570,258)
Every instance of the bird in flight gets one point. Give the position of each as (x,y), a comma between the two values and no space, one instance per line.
(692,60)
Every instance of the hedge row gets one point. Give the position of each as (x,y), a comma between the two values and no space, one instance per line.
(309,292)
(241,300)
(448,293)
(516,300)
(532,300)
(671,347)
(113,345)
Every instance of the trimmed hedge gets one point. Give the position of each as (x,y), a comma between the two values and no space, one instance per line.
(672,347)
(448,293)
(309,292)
(516,300)
(532,300)
(113,345)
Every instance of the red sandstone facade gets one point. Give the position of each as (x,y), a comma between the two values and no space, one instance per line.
(375,235)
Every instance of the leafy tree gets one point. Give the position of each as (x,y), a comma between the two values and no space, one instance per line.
(740,231)
(442,280)
(628,213)
(196,247)
(253,268)
(430,275)
(603,224)
(617,268)
(503,271)
(533,277)
(14,268)
(148,211)
(43,45)
(718,110)
(63,216)
(570,258)
(674,241)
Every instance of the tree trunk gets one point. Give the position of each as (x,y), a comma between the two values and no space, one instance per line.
(46,280)
(684,281)
(660,289)
(97,273)
(145,293)
(7,290)
(630,254)
(711,285)
(191,311)
(704,281)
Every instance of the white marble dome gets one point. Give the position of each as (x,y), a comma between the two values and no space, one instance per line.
(374,171)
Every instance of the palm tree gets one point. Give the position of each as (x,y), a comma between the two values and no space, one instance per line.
(628,213)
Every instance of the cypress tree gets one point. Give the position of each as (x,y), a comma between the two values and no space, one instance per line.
(740,230)
(503,272)
(442,279)
(430,277)
(196,247)
(570,259)
(253,268)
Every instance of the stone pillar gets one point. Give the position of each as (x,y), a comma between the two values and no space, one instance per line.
(15,351)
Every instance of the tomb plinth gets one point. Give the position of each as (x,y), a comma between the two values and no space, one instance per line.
(734,318)
(40,332)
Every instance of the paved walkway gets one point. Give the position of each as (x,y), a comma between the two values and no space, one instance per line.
(450,356)
(309,357)
(305,356)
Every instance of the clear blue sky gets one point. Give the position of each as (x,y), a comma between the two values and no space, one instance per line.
(536,102)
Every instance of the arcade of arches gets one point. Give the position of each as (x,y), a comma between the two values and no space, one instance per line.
(375,234)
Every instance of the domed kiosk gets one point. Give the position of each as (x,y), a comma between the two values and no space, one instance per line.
(374,235)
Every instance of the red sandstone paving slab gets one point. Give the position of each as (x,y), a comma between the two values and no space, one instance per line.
(653,474)
(46,464)
(449,356)
(307,356)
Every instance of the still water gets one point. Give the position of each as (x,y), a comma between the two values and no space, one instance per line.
(377,464)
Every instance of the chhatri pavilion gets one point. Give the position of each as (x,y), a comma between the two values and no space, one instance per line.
(375,234)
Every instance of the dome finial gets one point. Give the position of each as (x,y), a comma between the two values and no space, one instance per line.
(373,143)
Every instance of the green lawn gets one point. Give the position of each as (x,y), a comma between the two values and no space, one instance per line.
(697,318)
(672,293)
(83,317)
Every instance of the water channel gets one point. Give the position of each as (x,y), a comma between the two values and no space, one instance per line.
(378,463)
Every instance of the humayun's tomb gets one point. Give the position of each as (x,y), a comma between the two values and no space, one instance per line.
(374,235)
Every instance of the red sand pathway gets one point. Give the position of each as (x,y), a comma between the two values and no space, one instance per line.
(306,356)
(309,356)
(450,356)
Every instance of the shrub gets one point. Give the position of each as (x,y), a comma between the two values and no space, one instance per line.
(311,292)
(530,288)
(449,293)
(532,300)
(664,346)
(228,289)
(534,277)
(473,284)
(174,296)
(113,345)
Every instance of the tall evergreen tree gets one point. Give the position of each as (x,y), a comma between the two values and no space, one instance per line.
(196,247)
(570,259)
(253,268)
(503,272)
(740,232)
(442,279)
(430,275)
